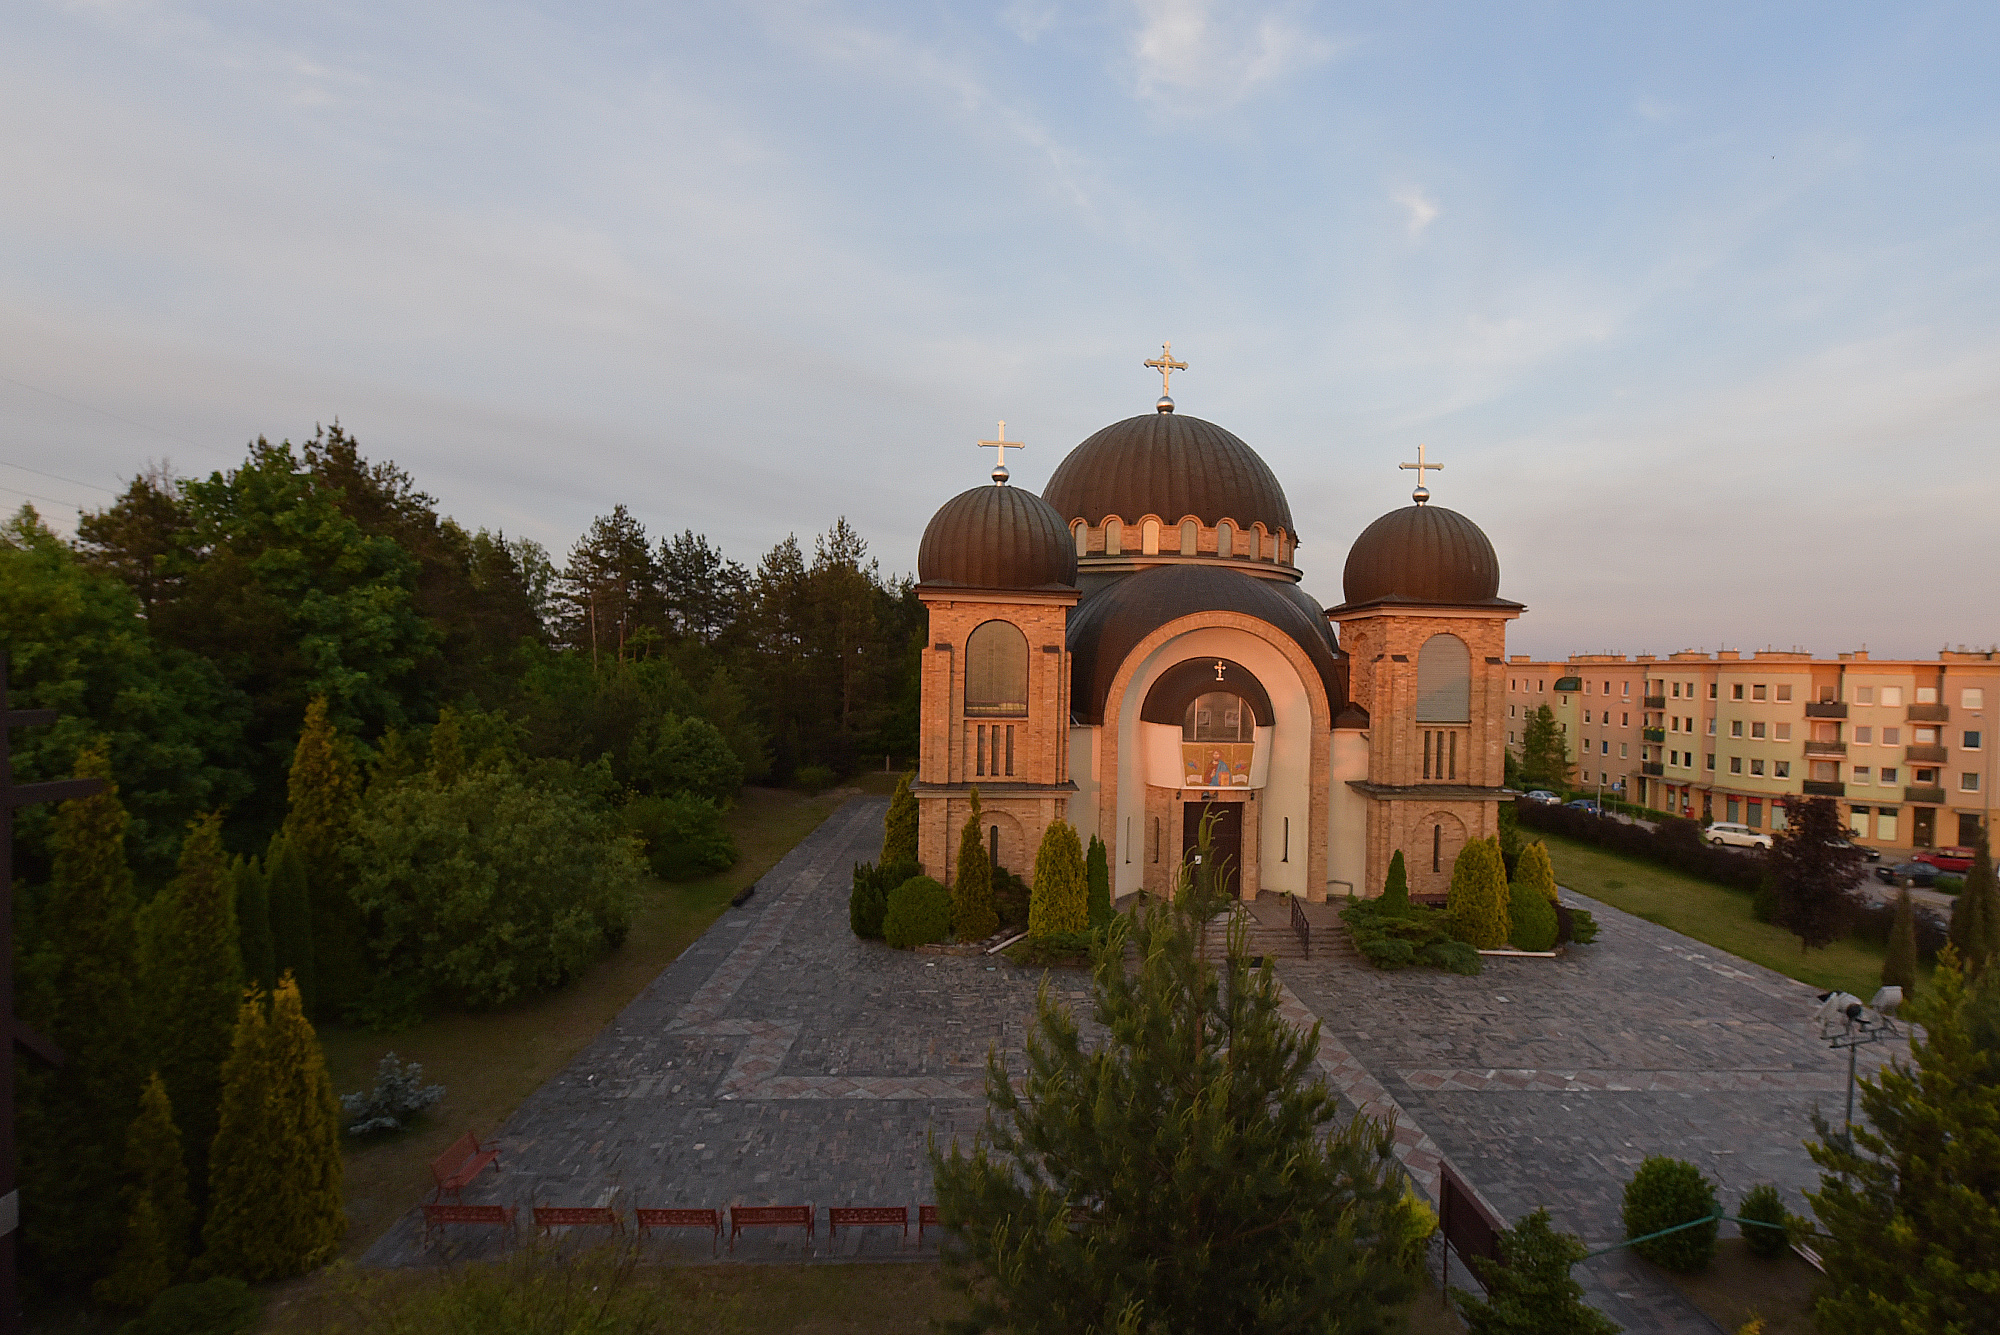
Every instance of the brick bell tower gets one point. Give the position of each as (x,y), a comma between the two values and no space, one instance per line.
(1425,631)
(996,573)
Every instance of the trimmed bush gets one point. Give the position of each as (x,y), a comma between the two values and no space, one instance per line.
(973,917)
(1097,870)
(868,902)
(1676,843)
(220,1306)
(1419,936)
(1478,898)
(1536,871)
(1060,900)
(899,828)
(1663,1193)
(1010,898)
(1762,1202)
(1395,900)
(814,778)
(919,913)
(1531,918)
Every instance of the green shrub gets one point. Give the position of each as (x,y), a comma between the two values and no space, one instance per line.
(1010,898)
(1762,1202)
(1532,1293)
(1478,898)
(814,778)
(1418,936)
(683,834)
(899,827)
(220,1306)
(1395,900)
(1060,899)
(919,913)
(1947,884)
(1582,927)
(1663,1193)
(399,1095)
(1764,901)
(1097,870)
(1531,918)
(973,917)
(868,902)
(1536,870)
(682,755)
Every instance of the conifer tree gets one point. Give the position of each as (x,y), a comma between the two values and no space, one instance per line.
(290,897)
(193,975)
(1097,869)
(1545,759)
(1477,900)
(1395,899)
(158,1222)
(1910,1210)
(275,1180)
(973,916)
(73,1118)
(322,791)
(1531,1291)
(1899,967)
(253,923)
(899,830)
(1059,900)
(1536,870)
(1218,1189)
(1975,918)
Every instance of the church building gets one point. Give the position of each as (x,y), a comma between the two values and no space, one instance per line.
(1131,649)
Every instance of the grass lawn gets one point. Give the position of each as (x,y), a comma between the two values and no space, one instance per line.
(1738,1286)
(490,1061)
(1713,915)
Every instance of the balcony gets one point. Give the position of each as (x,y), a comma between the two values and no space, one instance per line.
(1929,796)
(1826,748)
(1930,713)
(1652,767)
(1821,788)
(1826,709)
(1654,734)
(1656,702)
(1929,755)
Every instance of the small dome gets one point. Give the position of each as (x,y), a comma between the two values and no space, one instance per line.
(1171,465)
(997,537)
(1422,554)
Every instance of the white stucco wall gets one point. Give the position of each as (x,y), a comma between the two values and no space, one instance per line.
(1084,758)
(1347,813)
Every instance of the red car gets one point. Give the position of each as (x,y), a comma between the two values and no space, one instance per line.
(1955,860)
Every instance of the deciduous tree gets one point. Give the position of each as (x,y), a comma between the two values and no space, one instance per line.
(1812,867)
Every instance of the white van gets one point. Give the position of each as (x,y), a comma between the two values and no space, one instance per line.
(1741,836)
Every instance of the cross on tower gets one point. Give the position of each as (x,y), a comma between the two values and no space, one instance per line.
(1166,366)
(1422,493)
(1000,448)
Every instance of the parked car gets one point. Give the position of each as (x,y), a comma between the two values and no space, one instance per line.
(1734,835)
(1544,796)
(1955,860)
(1867,854)
(1584,804)
(1912,873)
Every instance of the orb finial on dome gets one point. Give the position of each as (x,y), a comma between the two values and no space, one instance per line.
(1422,494)
(1000,448)
(1166,366)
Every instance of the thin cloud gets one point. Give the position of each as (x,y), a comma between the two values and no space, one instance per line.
(1422,209)
(1199,55)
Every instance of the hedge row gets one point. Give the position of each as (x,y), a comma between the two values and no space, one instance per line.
(1675,843)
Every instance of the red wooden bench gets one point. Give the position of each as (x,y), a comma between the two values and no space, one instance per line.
(577,1216)
(456,1167)
(866,1216)
(437,1216)
(708,1219)
(769,1216)
(927,1217)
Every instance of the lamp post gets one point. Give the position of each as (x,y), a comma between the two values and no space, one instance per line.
(1845,1023)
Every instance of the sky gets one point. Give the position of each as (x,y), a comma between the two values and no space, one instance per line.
(1698,304)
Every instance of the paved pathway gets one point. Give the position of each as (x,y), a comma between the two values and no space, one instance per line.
(782,1061)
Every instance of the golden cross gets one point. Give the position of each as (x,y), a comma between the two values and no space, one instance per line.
(1219,665)
(1000,448)
(1166,366)
(1422,492)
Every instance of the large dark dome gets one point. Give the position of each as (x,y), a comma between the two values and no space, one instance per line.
(1422,554)
(1172,466)
(997,537)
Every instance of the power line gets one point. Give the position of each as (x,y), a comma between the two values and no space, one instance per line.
(75,403)
(58,477)
(37,496)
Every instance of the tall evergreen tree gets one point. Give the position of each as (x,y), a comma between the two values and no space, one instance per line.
(1217,1189)
(1975,918)
(1477,900)
(159,1222)
(275,1179)
(1530,1291)
(1097,870)
(289,894)
(323,792)
(73,1117)
(193,975)
(253,923)
(1059,902)
(1899,966)
(1544,752)
(973,916)
(899,830)
(1812,865)
(1396,889)
(1536,870)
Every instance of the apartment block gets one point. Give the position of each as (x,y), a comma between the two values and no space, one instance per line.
(1904,745)
(1598,701)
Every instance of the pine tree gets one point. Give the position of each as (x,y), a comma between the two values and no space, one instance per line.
(1183,1137)
(1097,870)
(973,917)
(253,923)
(1536,870)
(1899,968)
(275,1180)
(899,830)
(1477,900)
(1059,900)
(74,1117)
(1395,900)
(1531,1292)
(1910,1210)
(1975,918)
(193,975)
(1544,752)
(290,896)
(323,791)
(159,1221)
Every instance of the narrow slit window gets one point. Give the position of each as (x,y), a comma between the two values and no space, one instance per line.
(979,767)
(1454,755)
(1010,750)
(1285,853)
(1437,848)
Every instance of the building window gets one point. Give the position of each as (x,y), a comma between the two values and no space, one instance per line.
(1861,773)
(1926,695)
(1225,539)
(1736,764)
(1757,731)
(1437,848)
(1864,736)
(1760,692)
(1783,731)
(1190,537)
(1864,695)
(1510,711)
(1510,738)
(1149,537)
(1888,777)
(1114,537)
(996,670)
(1754,818)
(1604,747)
(1892,736)
(1972,697)
(1542,685)
(1586,716)
(1624,720)
(1736,727)
(1857,821)
(1968,783)
(979,767)
(1711,760)
(1219,716)
(1784,693)
(1677,690)
(1892,697)
(1285,855)
(1711,690)
(1010,749)
(1971,742)
(1885,824)
(1926,776)
(1781,769)
(1082,532)
(1444,681)
(1711,727)
(1926,736)
(1735,809)
(1625,690)
(1757,768)
(1622,754)
(1736,691)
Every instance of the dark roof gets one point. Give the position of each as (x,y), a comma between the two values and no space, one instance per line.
(1172,466)
(1423,554)
(1105,629)
(997,537)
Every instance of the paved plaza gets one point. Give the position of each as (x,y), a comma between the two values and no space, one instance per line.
(782,1061)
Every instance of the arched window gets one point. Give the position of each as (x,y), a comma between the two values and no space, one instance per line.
(1219,716)
(1225,539)
(996,671)
(1190,537)
(1114,536)
(1444,681)
(1149,537)
(1082,532)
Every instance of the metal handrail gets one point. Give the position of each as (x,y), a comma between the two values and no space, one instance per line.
(1301,926)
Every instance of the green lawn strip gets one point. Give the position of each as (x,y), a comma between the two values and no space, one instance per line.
(490,1061)
(1712,915)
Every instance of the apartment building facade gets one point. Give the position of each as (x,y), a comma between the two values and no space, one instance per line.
(1905,746)
(1597,700)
